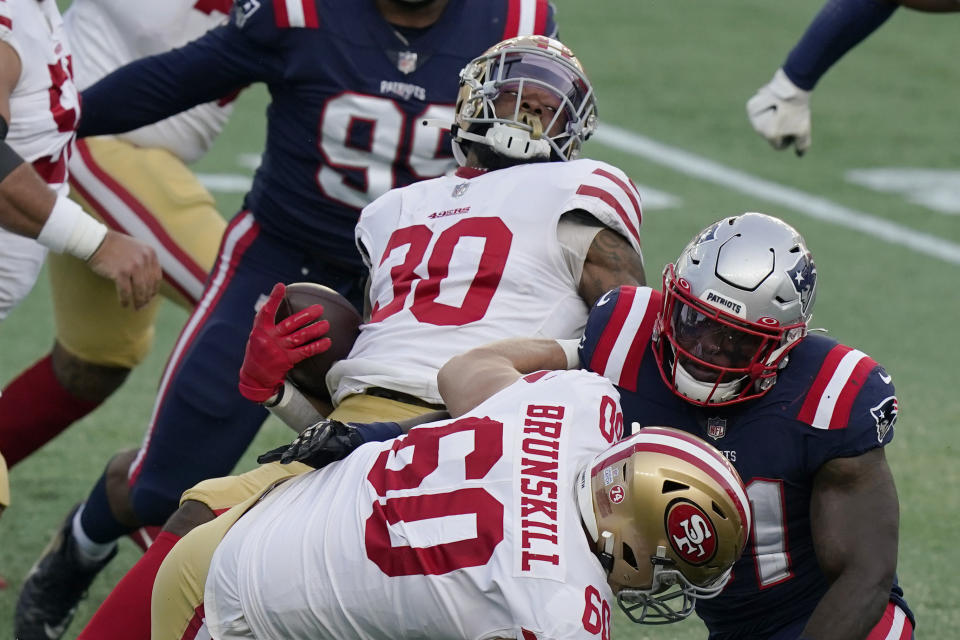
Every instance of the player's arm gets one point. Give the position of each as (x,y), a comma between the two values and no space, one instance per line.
(854,516)
(598,256)
(30,208)
(153,88)
(610,262)
(470,378)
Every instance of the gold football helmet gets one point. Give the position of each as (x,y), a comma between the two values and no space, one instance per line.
(537,63)
(668,516)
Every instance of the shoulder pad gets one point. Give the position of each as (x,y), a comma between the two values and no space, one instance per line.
(265,21)
(618,332)
(847,390)
(609,195)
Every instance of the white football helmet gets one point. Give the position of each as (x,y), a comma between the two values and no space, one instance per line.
(735,303)
(668,517)
(511,66)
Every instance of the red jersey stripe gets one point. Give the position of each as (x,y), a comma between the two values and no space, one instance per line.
(809,409)
(629,189)
(638,348)
(607,197)
(6,22)
(601,354)
(310,18)
(280,17)
(841,412)
(540,22)
(512,26)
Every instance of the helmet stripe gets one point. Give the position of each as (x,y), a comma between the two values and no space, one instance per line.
(691,451)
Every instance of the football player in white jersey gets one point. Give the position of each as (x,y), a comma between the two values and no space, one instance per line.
(468,258)
(520,518)
(39,110)
(136,183)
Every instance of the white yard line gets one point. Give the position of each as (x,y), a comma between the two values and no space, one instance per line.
(800,201)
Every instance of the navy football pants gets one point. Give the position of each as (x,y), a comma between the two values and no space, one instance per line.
(201,425)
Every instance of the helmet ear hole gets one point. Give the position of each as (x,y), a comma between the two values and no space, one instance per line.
(718,510)
(670,486)
(630,557)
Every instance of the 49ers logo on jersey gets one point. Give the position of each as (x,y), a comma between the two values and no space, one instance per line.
(691,533)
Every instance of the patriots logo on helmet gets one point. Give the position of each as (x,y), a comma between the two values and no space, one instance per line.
(803,275)
(710,233)
(885,415)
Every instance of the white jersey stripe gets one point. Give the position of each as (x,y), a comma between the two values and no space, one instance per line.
(631,325)
(896,628)
(295,15)
(234,234)
(528,17)
(828,400)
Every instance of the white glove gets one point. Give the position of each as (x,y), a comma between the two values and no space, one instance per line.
(780,112)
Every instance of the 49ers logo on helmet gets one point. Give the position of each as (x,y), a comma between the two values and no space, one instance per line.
(691,533)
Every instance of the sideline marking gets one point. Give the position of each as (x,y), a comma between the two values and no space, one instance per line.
(800,201)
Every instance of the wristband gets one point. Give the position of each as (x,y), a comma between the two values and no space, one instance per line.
(9,159)
(377,431)
(571,348)
(69,229)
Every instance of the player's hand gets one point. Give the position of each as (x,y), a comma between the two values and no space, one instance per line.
(131,264)
(318,445)
(274,348)
(780,112)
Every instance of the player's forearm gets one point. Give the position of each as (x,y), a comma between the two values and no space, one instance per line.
(848,611)
(25,200)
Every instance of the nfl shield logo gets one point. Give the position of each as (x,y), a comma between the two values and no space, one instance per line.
(460,189)
(716,428)
(406,62)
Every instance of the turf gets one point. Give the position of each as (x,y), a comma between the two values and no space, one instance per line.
(678,72)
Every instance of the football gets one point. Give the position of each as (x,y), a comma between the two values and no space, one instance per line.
(310,375)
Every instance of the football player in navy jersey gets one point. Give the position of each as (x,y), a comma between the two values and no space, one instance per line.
(724,353)
(350,81)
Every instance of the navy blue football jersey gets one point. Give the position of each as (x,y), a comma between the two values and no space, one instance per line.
(348,94)
(830,401)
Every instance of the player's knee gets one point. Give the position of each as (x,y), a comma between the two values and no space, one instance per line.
(86,380)
(153,504)
(189,516)
(118,488)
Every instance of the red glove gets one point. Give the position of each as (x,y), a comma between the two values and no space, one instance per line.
(274,348)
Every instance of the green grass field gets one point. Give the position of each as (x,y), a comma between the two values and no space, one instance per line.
(672,78)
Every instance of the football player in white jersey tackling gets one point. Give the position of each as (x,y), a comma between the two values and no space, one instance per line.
(39,111)
(515,519)
(464,259)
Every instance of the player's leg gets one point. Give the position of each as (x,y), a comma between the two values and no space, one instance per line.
(127,606)
(150,194)
(201,425)
(177,599)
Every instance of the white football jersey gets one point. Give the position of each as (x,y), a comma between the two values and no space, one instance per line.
(465,529)
(44,107)
(458,262)
(107,34)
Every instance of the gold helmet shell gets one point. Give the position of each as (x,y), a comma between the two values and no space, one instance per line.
(669,516)
(511,65)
